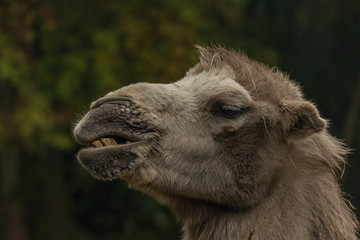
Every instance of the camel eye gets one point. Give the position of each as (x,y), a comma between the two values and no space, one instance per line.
(229,111)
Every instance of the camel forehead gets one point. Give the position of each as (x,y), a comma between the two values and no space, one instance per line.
(216,82)
(216,78)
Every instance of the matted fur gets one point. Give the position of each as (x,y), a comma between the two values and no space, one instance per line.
(233,149)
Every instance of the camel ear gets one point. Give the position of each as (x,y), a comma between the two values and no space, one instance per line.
(300,119)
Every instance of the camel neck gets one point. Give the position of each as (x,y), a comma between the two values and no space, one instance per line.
(295,211)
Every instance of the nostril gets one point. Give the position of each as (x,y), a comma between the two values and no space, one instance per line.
(124,100)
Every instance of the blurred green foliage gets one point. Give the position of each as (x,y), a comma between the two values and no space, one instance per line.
(58,56)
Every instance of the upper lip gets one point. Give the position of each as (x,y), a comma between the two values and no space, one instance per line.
(102,129)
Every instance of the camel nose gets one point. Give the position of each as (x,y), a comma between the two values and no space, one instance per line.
(124,100)
(155,97)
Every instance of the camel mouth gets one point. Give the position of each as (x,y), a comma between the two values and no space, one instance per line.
(110,141)
(111,156)
(107,141)
(115,138)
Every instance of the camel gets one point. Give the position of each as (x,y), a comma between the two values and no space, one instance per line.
(233,149)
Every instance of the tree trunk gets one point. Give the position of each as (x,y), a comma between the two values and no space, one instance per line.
(54,195)
(351,119)
(15,228)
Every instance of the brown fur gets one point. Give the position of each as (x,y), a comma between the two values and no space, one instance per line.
(233,149)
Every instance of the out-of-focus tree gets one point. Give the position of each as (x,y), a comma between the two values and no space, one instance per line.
(58,56)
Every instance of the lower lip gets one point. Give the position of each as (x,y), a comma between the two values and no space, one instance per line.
(108,154)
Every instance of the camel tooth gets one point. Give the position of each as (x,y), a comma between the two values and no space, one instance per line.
(107,141)
(113,142)
(127,142)
(97,143)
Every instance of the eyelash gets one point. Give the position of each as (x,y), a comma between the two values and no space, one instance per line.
(229,111)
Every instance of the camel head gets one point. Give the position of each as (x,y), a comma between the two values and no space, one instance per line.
(232,148)
(220,135)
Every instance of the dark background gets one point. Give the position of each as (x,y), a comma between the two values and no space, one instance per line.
(58,56)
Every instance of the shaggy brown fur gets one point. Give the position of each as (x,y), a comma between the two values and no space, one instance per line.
(233,149)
